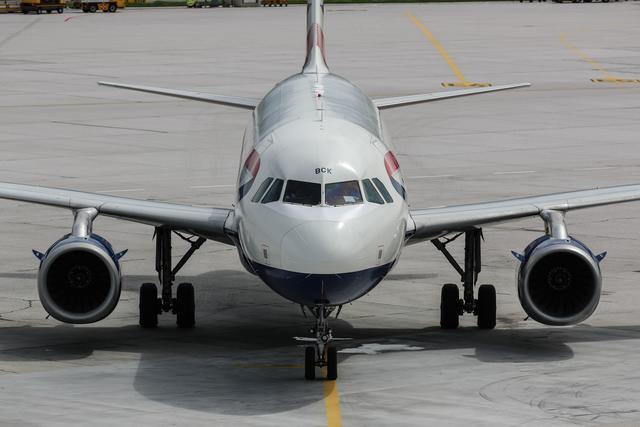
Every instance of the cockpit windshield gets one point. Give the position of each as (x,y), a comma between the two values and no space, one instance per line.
(371,193)
(273,195)
(311,193)
(302,193)
(342,193)
(383,190)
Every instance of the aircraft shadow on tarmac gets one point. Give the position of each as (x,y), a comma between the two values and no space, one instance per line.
(241,359)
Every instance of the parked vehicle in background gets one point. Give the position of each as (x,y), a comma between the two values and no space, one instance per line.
(207,3)
(9,6)
(275,3)
(39,6)
(92,6)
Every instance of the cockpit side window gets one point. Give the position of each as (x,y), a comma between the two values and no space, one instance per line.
(383,190)
(370,192)
(342,193)
(273,195)
(302,193)
(261,190)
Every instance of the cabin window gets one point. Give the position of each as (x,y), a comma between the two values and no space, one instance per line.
(383,190)
(261,190)
(302,193)
(273,195)
(371,193)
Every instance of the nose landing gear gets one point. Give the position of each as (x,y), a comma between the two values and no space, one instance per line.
(321,354)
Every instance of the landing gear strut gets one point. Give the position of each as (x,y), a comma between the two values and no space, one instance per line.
(451,306)
(183,306)
(321,354)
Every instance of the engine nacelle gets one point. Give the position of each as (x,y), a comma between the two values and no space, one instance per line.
(79,279)
(559,281)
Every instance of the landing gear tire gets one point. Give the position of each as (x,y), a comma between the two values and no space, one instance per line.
(310,363)
(486,307)
(450,306)
(332,364)
(148,305)
(185,306)
(112,8)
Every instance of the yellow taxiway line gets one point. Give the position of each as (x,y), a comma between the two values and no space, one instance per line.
(330,394)
(607,77)
(445,55)
(332,403)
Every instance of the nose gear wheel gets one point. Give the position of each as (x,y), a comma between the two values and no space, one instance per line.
(321,354)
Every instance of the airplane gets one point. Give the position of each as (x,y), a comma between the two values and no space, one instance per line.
(321,217)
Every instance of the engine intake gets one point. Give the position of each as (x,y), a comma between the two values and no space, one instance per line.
(79,279)
(559,281)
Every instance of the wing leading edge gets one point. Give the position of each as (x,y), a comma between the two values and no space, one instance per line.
(229,101)
(201,221)
(402,101)
(436,222)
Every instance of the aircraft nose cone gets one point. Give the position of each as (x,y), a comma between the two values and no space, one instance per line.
(321,247)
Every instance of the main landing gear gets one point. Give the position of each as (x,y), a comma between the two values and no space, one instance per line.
(183,305)
(451,306)
(321,354)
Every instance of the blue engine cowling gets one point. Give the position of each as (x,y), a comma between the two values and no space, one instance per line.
(559,281)
(79,280)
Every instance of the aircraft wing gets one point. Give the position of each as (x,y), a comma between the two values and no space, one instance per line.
(437,222)
(201,221)
(229,101)
(401,101)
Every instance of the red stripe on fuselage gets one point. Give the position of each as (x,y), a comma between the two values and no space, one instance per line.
(391,163)
(253,163)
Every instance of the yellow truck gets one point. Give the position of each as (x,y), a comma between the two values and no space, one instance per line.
(39,6)
(9,6)
(92,6)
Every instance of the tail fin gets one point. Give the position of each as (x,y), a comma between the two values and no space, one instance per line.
(316,54)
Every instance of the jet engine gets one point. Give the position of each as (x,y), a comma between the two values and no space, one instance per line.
(79,279)
(559,281)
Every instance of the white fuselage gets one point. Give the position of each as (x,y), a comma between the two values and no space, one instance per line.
(309,223)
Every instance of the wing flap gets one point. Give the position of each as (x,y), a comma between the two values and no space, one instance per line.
(402,101)
(230,101)
(202,221)
(436,222)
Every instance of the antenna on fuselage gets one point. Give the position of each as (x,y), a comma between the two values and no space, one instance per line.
(315,63)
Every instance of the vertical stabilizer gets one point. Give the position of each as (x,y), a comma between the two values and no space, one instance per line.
(316,55)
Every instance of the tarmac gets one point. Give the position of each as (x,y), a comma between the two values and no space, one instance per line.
(240,365)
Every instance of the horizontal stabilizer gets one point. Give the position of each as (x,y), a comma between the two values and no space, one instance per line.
(230,101)
(401,101)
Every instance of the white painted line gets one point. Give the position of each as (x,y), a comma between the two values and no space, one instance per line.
(211,186)
(593,169)
(126,190)
(512,172)
(375,348)
(429,176)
